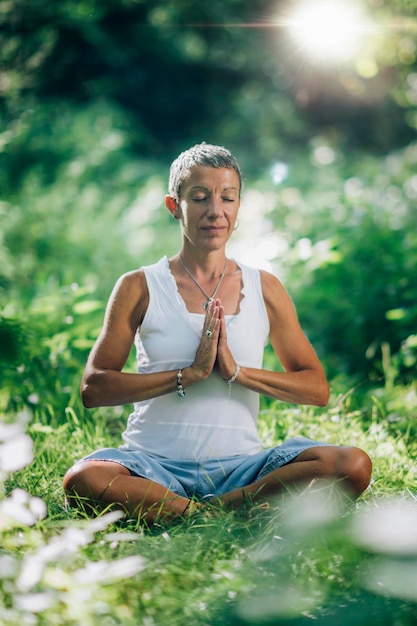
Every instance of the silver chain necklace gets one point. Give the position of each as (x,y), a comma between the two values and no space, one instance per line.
(213,295)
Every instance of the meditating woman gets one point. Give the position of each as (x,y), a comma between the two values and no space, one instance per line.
(200,321)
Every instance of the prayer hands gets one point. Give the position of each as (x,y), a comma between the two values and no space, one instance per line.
(213,349)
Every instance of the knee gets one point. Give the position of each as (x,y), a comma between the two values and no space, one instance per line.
(77,481)
(354,467)
(89,481)
(83,488)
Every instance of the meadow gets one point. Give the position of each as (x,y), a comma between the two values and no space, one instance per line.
(314,557)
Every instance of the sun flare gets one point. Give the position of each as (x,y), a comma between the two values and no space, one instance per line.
(328,30)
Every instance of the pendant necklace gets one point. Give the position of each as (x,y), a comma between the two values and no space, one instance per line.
(213,295)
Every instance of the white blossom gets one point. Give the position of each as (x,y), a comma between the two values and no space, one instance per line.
(390,528)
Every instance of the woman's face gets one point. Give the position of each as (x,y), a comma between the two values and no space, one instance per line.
(208,207)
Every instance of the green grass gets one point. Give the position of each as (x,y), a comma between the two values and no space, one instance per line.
(313,558)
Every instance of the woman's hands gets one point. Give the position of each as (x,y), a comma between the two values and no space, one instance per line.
(213,350)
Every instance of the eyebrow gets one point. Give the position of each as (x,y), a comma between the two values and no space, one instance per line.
(201,187)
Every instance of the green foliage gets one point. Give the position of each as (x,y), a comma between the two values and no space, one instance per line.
(353,250)
(11,339)
(95,100)
(63,225)
(183,72)
(53,338)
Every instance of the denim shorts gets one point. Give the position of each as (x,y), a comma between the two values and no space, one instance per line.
(206,477)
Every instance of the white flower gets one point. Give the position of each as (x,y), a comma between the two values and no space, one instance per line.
(16,452)
(34,602)
(390,528)
(101,523)
(20,509)
(61,547)
(8,566)
(392,577)
(105,572)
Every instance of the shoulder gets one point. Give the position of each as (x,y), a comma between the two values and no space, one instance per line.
(131,284)
(137,278)
(130,296)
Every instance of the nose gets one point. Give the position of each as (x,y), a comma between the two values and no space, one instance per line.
(215,208)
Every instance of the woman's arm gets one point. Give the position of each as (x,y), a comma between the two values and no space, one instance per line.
(103,382)
(304,380)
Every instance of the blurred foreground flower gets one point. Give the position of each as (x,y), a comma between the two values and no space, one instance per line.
(61,548)
(389,531)
(389,528)
(16,453)
(101,572)
(16,447)
(43,583)
(307,520)
(21,509)
(392,578)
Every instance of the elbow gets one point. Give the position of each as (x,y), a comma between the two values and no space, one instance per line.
(89,393)
(323,395)
(322,402)
(317,390)
(87,397)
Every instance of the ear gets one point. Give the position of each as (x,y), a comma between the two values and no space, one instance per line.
(172,206)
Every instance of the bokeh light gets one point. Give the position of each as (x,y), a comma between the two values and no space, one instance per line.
(329,31)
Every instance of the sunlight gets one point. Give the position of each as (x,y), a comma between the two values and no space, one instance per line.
(328,30)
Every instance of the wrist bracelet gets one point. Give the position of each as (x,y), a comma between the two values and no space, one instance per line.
(180,388)
(233,377)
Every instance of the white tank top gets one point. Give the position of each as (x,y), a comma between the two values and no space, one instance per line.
(207,422)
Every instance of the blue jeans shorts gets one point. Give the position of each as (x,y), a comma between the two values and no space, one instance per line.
(206,477)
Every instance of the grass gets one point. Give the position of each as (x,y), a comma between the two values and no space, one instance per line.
(312,558)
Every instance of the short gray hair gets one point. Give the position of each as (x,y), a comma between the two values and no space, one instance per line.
(203,154)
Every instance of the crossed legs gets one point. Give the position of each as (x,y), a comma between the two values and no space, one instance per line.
(94,485)
(97,484)
(348,468)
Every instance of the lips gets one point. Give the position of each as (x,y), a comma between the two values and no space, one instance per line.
(214,229)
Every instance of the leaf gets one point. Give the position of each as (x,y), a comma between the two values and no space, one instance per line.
(87,306)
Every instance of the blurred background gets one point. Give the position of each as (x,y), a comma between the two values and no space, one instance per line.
(317,100)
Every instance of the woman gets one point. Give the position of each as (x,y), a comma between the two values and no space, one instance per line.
(200,322)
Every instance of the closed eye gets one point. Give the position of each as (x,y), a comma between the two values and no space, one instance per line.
(204,198)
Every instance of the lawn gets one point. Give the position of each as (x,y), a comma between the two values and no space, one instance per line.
(314,557)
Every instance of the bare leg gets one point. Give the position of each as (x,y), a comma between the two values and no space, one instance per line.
(94,485)
(348,467)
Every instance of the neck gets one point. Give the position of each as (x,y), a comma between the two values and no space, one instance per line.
(209,297)
(204,265)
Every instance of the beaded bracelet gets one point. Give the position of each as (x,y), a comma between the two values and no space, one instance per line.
(180,388)
(233,377)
